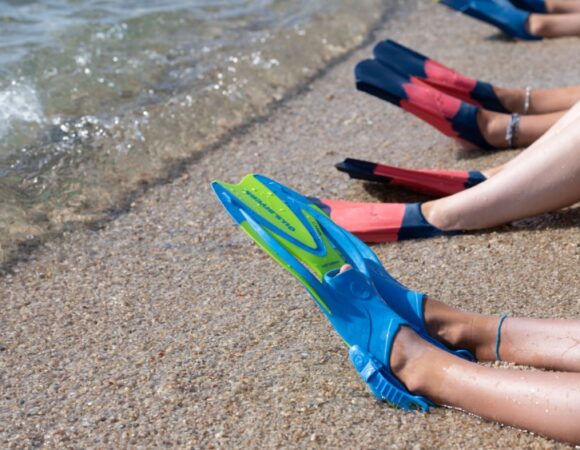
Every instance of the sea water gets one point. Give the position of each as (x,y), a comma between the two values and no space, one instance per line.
(98,98)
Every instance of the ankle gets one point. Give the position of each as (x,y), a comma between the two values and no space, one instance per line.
(410,360)
(493,127)
(536,25)
(512,99)
(436,214)
(460,330)
(448,325)
(452,330)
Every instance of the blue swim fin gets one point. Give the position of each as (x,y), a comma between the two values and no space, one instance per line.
(365,305)
(509,19)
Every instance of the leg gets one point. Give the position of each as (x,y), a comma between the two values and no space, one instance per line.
(548,344)
(562,6)
(571,116)
(494,125)
(554,25)
(542,101)
(546,179)
(544,403)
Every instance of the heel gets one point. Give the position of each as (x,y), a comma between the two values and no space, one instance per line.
(384,385)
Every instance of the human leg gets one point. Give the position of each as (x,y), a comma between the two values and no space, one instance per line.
(530,128)
(546,403)
(540,101)
(546,179)
(562,6)
(571,116)
(550,344)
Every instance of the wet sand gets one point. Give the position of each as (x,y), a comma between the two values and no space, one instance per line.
(170,328)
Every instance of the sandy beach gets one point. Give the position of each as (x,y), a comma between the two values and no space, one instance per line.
(168,327)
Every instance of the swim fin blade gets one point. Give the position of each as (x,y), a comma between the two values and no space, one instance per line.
(438,183)
(443,78)
(449,115)
(365,305)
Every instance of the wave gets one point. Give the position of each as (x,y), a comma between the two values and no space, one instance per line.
(113,97)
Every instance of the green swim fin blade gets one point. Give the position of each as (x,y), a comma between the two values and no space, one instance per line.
(263,216)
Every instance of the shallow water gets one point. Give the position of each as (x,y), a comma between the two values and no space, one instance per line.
(98,98)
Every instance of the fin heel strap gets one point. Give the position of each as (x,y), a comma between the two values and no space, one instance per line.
(372,373)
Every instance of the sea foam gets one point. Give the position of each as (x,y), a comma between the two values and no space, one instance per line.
(19,104)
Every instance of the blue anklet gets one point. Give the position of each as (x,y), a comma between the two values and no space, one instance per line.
(498,336)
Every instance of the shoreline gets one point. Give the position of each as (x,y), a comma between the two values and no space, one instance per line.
(169,327)
(23,237)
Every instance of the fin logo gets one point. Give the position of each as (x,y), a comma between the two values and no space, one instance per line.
(278,217)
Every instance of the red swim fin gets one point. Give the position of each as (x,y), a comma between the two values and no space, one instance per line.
(371,222)
(381,222)
(438,183)
(444,112)
(441,77)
